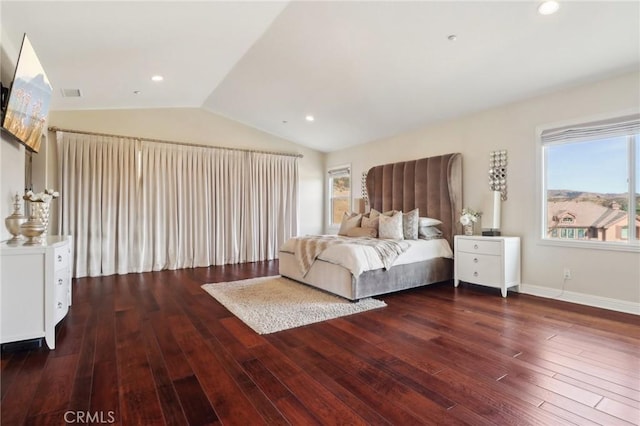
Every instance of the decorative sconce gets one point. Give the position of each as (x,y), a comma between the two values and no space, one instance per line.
(498,186)
(498,172)
(363,187)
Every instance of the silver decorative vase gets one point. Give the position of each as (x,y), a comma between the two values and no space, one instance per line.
(468,229)
(34,227)
(14,220)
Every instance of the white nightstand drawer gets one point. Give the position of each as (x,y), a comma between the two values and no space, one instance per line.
(490,261)
(61,257)
(480,269)
(480,246)
(61,281)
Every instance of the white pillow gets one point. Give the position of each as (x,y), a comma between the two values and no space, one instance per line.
(428,221)
(391,227)
(349,221)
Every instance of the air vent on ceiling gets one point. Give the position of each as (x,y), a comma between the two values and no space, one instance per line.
(71,93)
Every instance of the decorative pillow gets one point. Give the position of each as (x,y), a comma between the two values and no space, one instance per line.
(410,225)
(427,221)
(391,227)
(375,213)
(349,221)
(368,222)
(362,232)
(429,233)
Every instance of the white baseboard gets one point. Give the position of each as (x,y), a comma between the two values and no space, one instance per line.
(581,298)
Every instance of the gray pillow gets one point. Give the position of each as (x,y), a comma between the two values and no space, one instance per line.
(429,233)
(410,225)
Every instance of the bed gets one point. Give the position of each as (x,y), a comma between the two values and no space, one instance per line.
(434,186)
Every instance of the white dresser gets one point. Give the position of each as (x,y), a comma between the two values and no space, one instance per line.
(35,289)
(489,261)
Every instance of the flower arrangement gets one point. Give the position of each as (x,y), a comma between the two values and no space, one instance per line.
(469,216)
(41,197)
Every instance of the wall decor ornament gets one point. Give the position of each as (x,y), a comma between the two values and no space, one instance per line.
(363,183)
(498,172)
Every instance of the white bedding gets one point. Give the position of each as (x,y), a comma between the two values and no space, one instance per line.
(358,259)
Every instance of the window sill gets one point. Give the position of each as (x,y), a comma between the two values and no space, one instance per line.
(591,245)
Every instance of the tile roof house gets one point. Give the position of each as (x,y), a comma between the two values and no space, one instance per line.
(587,220)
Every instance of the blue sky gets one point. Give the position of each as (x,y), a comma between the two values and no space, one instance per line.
(591,166)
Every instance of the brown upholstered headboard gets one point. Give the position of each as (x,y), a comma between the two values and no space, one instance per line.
(433,185)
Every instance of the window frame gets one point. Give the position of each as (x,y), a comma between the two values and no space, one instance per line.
(541,188)
(332,173)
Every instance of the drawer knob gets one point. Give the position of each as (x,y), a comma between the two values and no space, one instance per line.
(59,258)
(475,246)
(475,260)
(59,305)
(475,274)
(60,281)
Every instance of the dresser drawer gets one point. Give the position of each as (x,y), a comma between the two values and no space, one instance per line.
(480,246)
(479,269)
(61,257)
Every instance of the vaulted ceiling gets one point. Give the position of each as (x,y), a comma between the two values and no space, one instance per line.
(364,70)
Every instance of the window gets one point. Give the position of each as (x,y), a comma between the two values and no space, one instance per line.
(591,180)
(339,194)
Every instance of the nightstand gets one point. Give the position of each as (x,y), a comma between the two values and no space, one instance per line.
(488,261)
(36,289)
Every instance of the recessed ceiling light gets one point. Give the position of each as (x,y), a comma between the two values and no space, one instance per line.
(309,118)
(157,78)
(548,7)
(452,37)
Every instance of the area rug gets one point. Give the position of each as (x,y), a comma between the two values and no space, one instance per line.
(270,304)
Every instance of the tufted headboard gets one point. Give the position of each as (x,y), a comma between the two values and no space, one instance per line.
(433,185)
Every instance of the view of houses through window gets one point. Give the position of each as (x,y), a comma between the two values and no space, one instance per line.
(588,186)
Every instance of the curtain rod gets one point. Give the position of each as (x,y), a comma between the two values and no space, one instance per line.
(82,132)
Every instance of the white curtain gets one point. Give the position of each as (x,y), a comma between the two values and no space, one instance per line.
(98,192)
(188,207)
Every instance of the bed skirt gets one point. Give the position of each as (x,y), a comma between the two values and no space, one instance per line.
(338,280)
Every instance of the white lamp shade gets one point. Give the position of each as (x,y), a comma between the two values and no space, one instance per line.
(491,212)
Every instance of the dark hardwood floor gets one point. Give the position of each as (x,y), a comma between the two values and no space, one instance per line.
(154,348)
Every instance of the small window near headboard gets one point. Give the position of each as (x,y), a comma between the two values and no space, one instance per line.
(339,194)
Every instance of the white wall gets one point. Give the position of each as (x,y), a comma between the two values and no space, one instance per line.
(11,152)
(596,273)
(197,126)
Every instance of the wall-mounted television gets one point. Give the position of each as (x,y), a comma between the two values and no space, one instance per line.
(26,105)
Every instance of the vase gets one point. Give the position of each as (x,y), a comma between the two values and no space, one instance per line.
(34,227)
(13,221)
(468,229)
(43,214)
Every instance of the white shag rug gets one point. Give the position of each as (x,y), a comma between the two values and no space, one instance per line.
(275,303)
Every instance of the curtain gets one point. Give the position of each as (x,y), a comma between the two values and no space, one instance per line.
(272,199)
(98,192)
(619,126)
(185,206)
